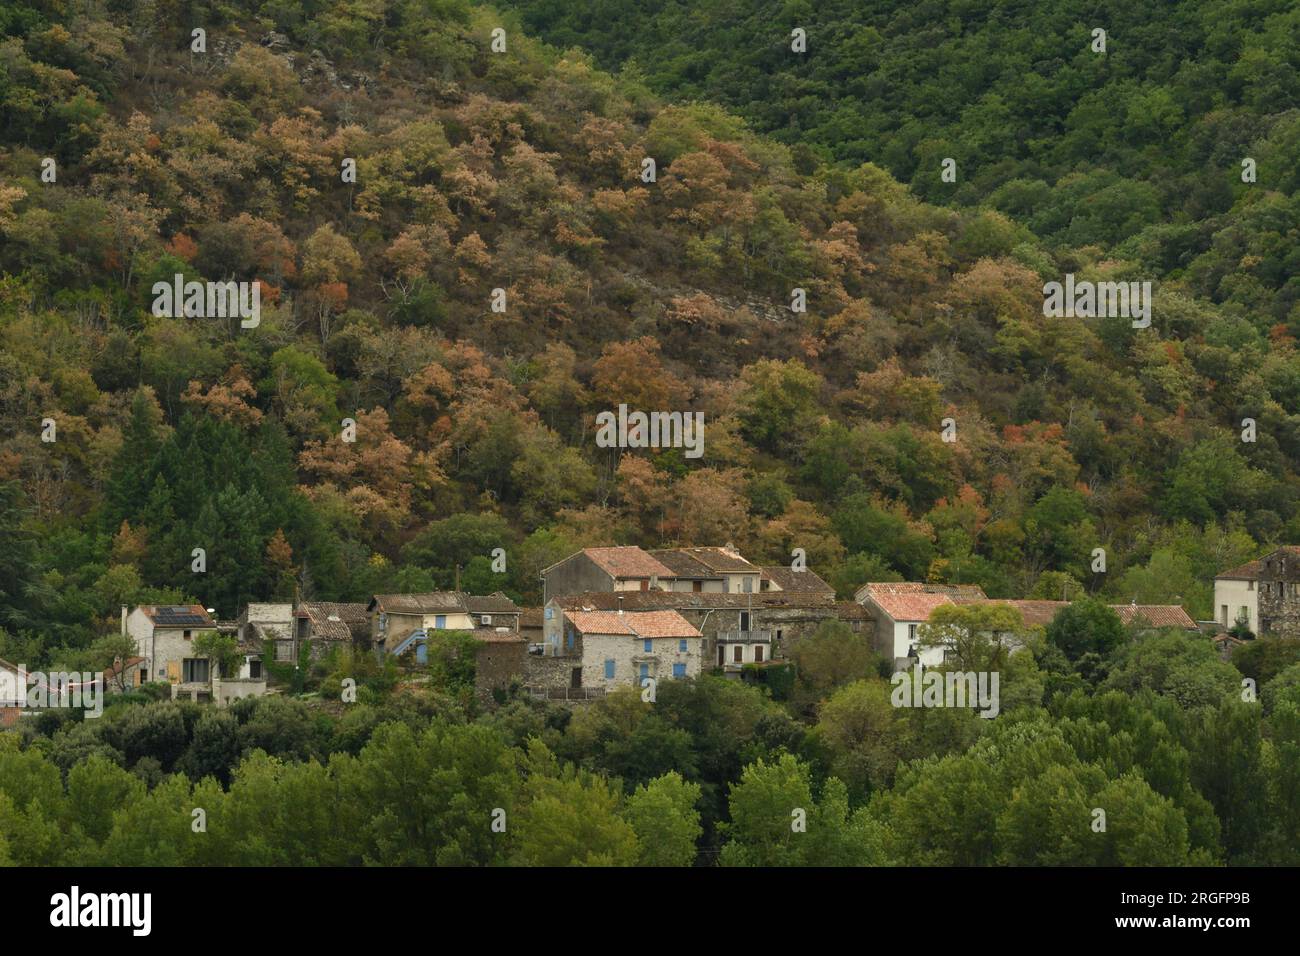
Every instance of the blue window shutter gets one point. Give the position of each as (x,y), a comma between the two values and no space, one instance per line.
(570,638)
(679,670)
(440,621)
(681,645)
(649,645)
(645,670)
(609,670)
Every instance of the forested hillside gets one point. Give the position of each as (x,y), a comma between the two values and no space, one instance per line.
(134,149)
(1139,148)
(520,171)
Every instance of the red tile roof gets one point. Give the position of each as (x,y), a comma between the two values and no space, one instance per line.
(632,623)
(1157,615)
(629,562)
(909,605)
(1242,572)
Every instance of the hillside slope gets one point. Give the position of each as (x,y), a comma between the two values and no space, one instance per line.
(519,171)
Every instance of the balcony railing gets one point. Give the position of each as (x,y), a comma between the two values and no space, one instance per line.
(745,637)
(566,693)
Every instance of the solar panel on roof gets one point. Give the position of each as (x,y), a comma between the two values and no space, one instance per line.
(177,616)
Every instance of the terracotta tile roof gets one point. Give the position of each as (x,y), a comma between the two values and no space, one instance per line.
(1157,615)
(788,579)
(633,623)
(628,562)
(1242,572)
(960,593)
(909,605)
(662,624)
(601,622)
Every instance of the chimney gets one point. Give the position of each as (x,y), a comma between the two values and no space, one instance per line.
(124,620)
(620,604)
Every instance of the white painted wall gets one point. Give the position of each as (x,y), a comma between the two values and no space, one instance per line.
(1236,595)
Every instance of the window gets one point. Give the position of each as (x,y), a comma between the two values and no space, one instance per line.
(697,586)
(188,635)
(649,645)
(569,640)
(911,632)
(1243,614)
(440,621)
(681,645)
(1224,608)
(738,654)
(383,623)
(749,585)
(144,675)
(255,670)
(1250,585)
(283,651)
(550,613)
(645,584)
(194,670)
(645,671)
(609,670)
(758,653)
(679,670)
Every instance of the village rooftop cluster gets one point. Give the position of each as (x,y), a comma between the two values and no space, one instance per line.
(619,616)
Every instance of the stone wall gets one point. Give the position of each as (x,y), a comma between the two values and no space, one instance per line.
(497,665)
(1279,594)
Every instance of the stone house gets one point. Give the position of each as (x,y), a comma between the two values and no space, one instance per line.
(164,637)
(688,573)
(400,624)
(722,569)
(607,649)
(1278,592)
(270,629)
(325,625)
(737,629)
(394,617)
(604,569)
